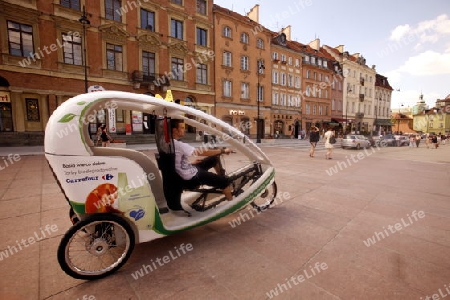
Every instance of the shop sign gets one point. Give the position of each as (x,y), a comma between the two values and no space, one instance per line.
(96,88)
(4,97)
(234,112)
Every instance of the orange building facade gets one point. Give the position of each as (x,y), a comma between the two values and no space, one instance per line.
(133,46)
(242,71)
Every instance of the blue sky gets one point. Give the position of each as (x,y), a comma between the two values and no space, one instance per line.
(407,40)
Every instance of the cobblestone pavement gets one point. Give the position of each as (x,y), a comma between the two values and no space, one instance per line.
(368,224)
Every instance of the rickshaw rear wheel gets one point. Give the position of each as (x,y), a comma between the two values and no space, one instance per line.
(96,247)
(266,199)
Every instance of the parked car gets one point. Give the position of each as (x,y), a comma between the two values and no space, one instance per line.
(388,140)
(402,140)
(355,141)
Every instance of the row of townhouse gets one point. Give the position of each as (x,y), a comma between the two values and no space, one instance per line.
(216,60)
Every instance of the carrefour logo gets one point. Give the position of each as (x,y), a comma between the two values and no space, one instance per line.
(87,178)
(107,177)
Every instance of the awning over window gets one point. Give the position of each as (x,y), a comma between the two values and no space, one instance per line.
(338,120)
(383,122)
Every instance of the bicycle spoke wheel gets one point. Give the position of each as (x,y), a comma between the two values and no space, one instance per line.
(266,198)
(96,247)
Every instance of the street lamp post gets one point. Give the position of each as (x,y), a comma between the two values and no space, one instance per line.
(84,21)
(376,113)
(258,94)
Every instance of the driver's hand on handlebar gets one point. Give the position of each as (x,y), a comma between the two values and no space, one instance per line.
(228,151)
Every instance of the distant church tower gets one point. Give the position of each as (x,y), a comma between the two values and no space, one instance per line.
(420,106)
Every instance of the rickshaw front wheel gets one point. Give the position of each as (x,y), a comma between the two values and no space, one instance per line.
(266,198)
(96,247)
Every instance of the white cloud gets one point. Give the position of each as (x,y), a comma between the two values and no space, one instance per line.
(427,63)
(399,32)
(429,31)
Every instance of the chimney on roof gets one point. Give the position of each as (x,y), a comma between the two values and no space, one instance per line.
(340,48)
(315,44)
(355,55)
(287,32)
(253,14)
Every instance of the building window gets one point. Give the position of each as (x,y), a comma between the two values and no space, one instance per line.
(275,56)
(244,38)
(308,109)
(179,2)
(32,110)
(261,67)
(177,29)
(275,99)
(290,61)
(306,59)
(283,78)
(202,35)
(290,80)
(260,44)
(114,57)
(275,77)
(308,74)
(72,49)
(227,59)
(73,4)
(177,68)
(283,58)
(325,64)
(313,60)
(283,99)
(147,20)
(298,83)
(227,88)
(260,93)
(148,64)
(113,11)
(201,7)
(297,62)
(320,110)
(244,63)
(314,110)
(245,90)
(20,38)
(202,74)
(227,32)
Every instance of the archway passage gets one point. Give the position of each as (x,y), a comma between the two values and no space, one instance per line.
(4,82)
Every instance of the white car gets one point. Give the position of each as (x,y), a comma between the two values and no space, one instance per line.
(355,141)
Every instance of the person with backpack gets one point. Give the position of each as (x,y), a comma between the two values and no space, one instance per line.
(329,141)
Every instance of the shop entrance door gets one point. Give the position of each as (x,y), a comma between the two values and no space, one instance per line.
(6,122)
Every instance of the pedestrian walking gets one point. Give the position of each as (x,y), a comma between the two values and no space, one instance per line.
(418,138)
(313,139)
(412,141)
(443,138)
(329,146)
(428,140)
(105,137)
(434,141)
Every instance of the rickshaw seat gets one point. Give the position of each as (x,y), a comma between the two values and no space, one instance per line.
(142,160)
(173,184)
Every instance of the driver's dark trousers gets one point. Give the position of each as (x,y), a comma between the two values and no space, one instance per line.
(209,178)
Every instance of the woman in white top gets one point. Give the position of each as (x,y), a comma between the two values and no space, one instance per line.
(328,146)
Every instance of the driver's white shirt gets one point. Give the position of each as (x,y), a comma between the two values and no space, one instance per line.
(182,165)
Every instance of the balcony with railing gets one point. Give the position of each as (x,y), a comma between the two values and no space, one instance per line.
(361,97)
(150,78)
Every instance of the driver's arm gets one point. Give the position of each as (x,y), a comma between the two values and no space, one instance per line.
(211,152)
